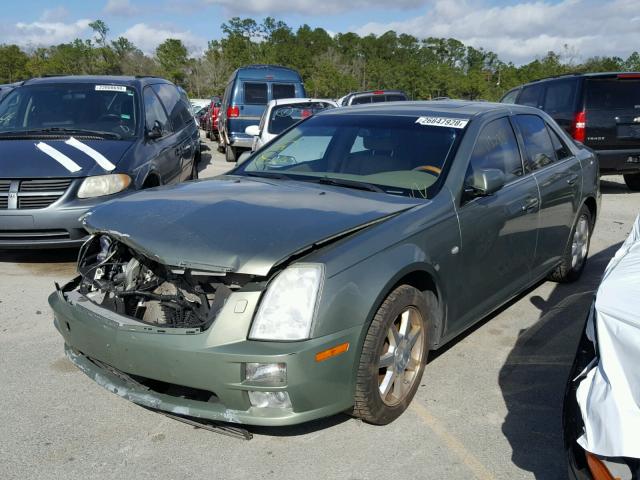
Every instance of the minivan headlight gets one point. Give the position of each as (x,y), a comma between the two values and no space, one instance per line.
(289,304)
(103,185)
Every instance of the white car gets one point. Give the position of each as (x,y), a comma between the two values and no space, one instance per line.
(283,113)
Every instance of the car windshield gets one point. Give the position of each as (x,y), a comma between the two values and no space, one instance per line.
(109,110)
(283,116)
(401,155)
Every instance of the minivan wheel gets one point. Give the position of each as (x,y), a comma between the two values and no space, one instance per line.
(231,154)
(393,355)
(575,255)
(632,180)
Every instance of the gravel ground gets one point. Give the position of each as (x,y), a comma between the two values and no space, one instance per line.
(489,405)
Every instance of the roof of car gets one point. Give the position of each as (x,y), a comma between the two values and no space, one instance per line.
(260,72)
(457,108)
(580,74)
(292,101)
(108,79)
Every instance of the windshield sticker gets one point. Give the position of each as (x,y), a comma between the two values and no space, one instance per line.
(59,157)
(443,122)
(111,88)
(97,156)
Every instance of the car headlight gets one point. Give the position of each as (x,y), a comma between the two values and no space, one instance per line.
(103,185)
(289,304)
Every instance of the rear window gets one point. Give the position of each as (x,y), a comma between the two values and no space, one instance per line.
(395,98)
(281,90)
(255,93)
(284,116)
(613,93)
(537,143)
(560,97)
(530,96)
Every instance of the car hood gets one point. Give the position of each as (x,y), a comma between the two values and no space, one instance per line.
(237,224)
(22,159)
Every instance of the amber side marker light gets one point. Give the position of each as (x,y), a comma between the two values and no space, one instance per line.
(599,469)
(332,352)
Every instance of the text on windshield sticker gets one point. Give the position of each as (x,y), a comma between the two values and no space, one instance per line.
(111,88)
(443,122)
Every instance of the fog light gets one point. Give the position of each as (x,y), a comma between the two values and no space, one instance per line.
(266,373)
(270,399)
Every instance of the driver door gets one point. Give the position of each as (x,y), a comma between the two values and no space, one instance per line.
(498,231)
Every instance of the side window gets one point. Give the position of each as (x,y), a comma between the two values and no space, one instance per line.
(497,148)
(562,151)
(153,111)
(511,96)
(560,97)
(283,90)
(537,143)
(255,93)
(172,103)
(361,100)
(530,96)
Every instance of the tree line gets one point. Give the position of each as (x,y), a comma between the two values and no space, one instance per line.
(331,66)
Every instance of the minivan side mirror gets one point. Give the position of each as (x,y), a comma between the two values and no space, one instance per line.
(484,182)
(253,130)
(156,131)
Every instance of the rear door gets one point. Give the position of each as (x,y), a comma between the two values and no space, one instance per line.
(612,107)
(558,174)
(560,101)
(253,96)
(499,231)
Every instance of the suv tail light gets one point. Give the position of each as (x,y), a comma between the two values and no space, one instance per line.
(233,111)
(578,129)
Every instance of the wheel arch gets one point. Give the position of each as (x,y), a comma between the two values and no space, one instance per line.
(423,277)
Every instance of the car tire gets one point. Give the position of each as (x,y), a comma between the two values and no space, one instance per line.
(575,256)
(632,180)
(381,395)
(231,154)
(208,134)
(194,170)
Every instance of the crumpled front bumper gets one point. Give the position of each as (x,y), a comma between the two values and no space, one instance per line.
(111,349)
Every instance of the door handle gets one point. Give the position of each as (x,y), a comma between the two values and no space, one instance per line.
(572,179)
(530,204)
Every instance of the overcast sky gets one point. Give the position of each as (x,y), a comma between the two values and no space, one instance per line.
(519,31)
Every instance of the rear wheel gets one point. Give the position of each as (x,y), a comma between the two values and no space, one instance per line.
(231,154)
(393,355)
(632,180)
(575,255)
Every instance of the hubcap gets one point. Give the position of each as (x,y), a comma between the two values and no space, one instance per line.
(401,357)
(580,243)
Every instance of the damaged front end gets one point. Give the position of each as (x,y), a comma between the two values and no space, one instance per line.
(118,278)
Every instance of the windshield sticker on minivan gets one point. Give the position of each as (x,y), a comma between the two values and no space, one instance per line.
(111,88)
(442,122)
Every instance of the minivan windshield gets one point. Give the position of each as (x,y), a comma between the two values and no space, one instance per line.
(75,108)
(401,155)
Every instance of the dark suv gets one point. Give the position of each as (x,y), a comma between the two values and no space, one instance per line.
(69,143)
(601,110)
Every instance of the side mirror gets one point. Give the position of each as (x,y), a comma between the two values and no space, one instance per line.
(156,131)
(243,157)
(253,130)
(484,182)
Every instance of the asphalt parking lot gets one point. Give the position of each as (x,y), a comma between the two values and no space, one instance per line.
(489,405)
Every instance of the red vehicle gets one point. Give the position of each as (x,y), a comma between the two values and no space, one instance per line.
(212,118)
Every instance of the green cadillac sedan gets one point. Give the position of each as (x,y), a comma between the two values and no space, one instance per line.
(316,276)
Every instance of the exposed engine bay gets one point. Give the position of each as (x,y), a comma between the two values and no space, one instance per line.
(126,282)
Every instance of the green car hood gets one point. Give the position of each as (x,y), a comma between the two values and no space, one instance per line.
(238,224)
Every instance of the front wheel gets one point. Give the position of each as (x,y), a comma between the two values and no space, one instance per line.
(632,180)
(231,154)
(575,255)
(393,355)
